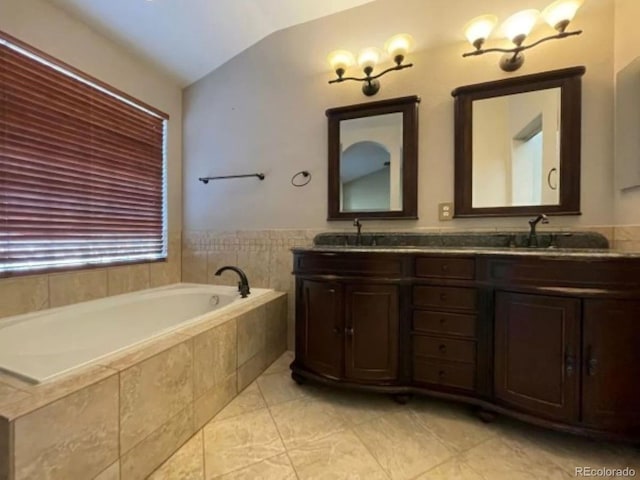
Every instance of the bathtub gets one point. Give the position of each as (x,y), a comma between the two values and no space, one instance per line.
(40,346)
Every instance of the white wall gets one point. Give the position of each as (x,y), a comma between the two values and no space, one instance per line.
(264,111)
(46,27)
(627,48)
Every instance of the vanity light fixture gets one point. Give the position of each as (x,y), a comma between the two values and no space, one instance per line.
(517,27)
(397,47)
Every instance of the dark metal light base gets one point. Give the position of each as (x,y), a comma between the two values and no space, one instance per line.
(510,62)
(371,88)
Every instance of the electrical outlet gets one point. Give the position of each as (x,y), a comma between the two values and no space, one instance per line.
(445,211)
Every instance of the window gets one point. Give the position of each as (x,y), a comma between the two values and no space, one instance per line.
(82,168)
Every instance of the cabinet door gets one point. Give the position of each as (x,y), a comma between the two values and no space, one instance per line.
(372,313)
(537,346)
(320,327)
(611,378)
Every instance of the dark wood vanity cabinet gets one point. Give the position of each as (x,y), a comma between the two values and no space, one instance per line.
(611,365)
(348,330)
(537,349)
(551,340)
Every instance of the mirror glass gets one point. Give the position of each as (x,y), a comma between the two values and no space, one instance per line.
(371,163)
(373,160)
(517,145)
(516,149)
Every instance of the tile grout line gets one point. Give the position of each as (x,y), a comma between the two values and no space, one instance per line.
(369,450)
(286,449)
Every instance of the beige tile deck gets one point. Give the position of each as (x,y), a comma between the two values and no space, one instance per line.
(277,430)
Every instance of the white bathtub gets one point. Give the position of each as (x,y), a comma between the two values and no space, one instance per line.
(42,345)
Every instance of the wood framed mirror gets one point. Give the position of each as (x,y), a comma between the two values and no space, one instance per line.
(517,145)
(373,160)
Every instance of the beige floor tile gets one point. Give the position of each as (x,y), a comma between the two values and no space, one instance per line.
(275,468)
(565,451)
(238,442)
(249,400)
(338,456)
(281,365)
(280,387)
(306,420)
(402,445)
(356,407)
(186,464)
(495,460)
(455,425)
(453,469)
(111,473)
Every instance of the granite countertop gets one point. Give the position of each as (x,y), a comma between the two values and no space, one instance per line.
(583,253)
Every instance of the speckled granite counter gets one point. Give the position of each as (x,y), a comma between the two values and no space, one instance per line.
(583,253)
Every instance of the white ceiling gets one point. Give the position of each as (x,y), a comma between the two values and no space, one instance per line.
(190,38)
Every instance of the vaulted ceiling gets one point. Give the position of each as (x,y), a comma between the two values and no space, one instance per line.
(189,38)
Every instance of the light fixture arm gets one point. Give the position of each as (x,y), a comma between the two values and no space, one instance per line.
(369,78)
(522,47)
(509,62)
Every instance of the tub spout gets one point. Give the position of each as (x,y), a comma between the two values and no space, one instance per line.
(243,284)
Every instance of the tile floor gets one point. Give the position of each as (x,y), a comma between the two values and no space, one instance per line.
(276,429)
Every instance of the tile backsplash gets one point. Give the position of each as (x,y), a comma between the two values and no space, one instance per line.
(37,292)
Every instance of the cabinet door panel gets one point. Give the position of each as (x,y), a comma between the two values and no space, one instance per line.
(321,327)
(536,354)
(372,313)
(611,380)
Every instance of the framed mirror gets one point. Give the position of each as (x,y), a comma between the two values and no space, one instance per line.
(517,145)
(373,160)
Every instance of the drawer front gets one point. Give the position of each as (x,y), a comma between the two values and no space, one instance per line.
(444,349)
(445,323)
(444,267)
(330,263)
(445,297)
(444,373)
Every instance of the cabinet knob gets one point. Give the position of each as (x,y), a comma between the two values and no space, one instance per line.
(569,362)
(592,362)
(348,331)
(445,268)
(443,321)
(441,374)
(442,348)
(443,297)
(337,330)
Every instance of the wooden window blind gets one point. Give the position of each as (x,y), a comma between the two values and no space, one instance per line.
(82,168)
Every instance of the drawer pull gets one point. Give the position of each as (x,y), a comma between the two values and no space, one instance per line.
(445,268)
(442,348)
(441,374)
(443,297)
(443,321)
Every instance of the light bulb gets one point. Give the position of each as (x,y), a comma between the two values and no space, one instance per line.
(398,46)
(340,60)
(519,25)
(560,13)
(479,29)
(368,59)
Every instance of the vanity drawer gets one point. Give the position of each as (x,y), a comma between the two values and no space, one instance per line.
(445,323)
(445,297)
(445,373)
(348,264)
(445,267)
(444,349)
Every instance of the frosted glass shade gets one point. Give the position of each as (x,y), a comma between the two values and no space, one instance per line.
(479,29)
(341,59)
(399,44)
(561,12)
(520,24)
(369,57)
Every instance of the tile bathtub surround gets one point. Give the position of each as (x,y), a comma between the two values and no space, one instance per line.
(31,293)
(128,415)
(255,436)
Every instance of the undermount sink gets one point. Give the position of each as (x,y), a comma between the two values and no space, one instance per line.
(500,240)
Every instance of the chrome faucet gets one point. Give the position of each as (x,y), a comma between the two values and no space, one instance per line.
(358,225)
(243,284)
(533,223)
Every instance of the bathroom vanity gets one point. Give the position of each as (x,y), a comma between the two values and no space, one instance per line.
(548,335)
